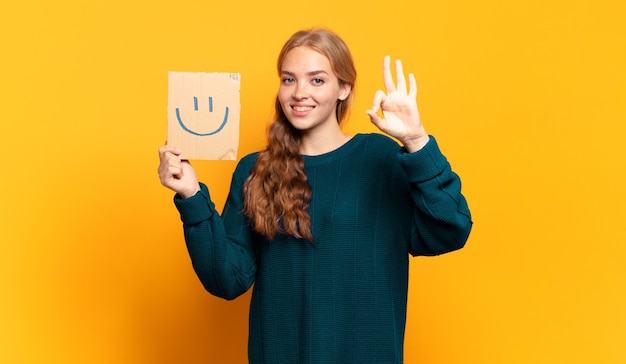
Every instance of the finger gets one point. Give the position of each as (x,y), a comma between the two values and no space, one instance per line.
(168,149)
(177,171)
(168,174)
(412,86)
(169,160)
(400,77)
(374,118)
(387,78)
(379,98)
(173,168)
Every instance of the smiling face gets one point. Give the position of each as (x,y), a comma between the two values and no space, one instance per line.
(309,90)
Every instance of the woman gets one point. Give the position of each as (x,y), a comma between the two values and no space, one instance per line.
(322,222)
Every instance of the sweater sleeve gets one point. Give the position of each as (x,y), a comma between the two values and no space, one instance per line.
(441,220)
(220,246)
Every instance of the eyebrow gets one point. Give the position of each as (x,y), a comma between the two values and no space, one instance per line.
(312,73)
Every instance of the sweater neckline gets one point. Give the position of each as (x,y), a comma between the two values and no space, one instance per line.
(333,155)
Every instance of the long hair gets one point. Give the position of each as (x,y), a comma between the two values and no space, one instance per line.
(276,194)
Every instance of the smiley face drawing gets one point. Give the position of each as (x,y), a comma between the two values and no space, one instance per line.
(203,114)
(195,107)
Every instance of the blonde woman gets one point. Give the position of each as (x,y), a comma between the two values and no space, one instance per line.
(323,222)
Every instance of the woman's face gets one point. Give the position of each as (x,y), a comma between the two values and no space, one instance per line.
(309,90)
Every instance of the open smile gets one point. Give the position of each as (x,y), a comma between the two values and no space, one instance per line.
(302,107)
(301,110)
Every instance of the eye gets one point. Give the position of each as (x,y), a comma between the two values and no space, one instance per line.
(287,80)
(317,81)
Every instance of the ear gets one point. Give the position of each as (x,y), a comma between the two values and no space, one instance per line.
(344,91)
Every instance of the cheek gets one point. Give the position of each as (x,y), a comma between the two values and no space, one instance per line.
(284,99)
(284,95)
(325,98)
(328,94)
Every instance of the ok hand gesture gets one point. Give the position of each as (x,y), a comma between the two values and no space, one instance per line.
(401,117)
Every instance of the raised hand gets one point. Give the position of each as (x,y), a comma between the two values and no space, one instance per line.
(401,117)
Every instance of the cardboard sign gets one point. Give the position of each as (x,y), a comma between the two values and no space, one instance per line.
(203,114)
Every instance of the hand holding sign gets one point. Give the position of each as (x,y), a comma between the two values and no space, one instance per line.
(203,114)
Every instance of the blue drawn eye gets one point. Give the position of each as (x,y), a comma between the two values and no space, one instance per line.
(195,107)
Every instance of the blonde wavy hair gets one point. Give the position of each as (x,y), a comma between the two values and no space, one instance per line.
(276,194)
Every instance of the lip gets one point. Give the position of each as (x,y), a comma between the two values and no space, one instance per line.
(301,110)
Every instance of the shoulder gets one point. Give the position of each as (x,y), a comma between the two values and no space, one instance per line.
(244,166)
(379,144)
(379,140)
(376,153)
(248,161)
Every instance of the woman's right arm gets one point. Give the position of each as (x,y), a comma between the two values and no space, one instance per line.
(220,247)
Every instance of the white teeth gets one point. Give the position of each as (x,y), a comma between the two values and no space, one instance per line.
(302,108)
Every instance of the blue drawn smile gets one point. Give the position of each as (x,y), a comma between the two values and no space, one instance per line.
(195,101)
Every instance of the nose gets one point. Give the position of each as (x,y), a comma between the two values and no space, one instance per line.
(300,92)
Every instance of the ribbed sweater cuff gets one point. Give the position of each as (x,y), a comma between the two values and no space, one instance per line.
(424,164)
(196,208)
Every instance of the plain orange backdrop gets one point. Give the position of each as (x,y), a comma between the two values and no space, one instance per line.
(527,100)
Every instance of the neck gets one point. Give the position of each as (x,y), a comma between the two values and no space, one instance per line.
(319,143)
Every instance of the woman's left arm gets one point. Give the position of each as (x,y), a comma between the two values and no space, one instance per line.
(442,220)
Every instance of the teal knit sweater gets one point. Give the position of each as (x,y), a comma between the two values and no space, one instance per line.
(343,297)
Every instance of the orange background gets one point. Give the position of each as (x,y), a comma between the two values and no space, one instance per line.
(527,99)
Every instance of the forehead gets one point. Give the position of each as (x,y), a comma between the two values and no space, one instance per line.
(305,60)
